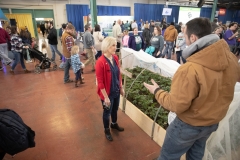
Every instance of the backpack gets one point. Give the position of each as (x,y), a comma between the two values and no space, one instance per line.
(15,135)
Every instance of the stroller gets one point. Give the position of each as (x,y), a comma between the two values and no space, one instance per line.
(44,62)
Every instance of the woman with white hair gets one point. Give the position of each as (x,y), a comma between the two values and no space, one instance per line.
(109,84)
(180,45)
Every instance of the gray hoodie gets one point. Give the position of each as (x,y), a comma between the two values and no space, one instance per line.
(181,41)
(157,42)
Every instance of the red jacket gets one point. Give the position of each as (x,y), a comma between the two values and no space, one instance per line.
(104,75)
(4,36)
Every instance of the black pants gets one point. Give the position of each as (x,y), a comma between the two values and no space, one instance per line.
(99,54)
(112,111)
(118,47)
(179,54)
(78,75)
(43,32)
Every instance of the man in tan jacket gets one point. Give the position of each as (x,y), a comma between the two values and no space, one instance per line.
(67,44)
(201,92)
(117,33)
(170,35)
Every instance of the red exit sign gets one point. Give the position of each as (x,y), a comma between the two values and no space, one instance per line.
(222,12)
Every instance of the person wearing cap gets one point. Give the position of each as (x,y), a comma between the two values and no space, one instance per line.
(52,40)
(67,44)
(88,42)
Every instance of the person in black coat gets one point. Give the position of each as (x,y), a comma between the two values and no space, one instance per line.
(42,28)
(146,35)
(151,28)
(53,41)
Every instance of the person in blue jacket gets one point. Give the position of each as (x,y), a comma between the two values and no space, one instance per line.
(135,41)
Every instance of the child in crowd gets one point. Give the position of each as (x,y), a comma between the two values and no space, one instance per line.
(34,43)
(125,38)
(44,49)
(76,65)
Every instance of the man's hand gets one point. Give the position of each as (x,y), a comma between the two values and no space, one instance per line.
(151,88)
(177,46)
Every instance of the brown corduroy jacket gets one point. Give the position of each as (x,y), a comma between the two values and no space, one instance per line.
(203,88)
(67,42)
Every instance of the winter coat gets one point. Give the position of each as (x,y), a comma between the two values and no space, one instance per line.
(146,35)
(15,135)
(52,36)
(170,34)
(203,88)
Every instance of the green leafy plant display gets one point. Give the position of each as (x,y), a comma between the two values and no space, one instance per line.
(143,99)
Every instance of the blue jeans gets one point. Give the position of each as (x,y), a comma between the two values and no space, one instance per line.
(168,49)
(4,53)
(183,138)
(112,111)
(18,57)
(78,75)
(66,70)
(179,54)
(54,49)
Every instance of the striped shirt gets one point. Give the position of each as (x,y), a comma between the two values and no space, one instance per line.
(16,43)
(69,42)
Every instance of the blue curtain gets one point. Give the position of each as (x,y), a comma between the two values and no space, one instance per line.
(206,12)
(113,11)
(231,15)
(147,12)
(75,14)
(174,15)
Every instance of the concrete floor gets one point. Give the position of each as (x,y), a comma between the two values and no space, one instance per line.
(68,120)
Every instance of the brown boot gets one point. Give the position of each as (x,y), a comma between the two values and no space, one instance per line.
(81,81)
(76,83)
(26,71)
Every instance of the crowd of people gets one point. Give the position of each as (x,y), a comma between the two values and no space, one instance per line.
(162,40)
(190,101)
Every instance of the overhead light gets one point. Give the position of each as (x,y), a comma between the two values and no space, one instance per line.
(39,19)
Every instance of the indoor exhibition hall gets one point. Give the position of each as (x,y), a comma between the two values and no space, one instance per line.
(120,80)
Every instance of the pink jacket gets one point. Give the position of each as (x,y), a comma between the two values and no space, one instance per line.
(125,41)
